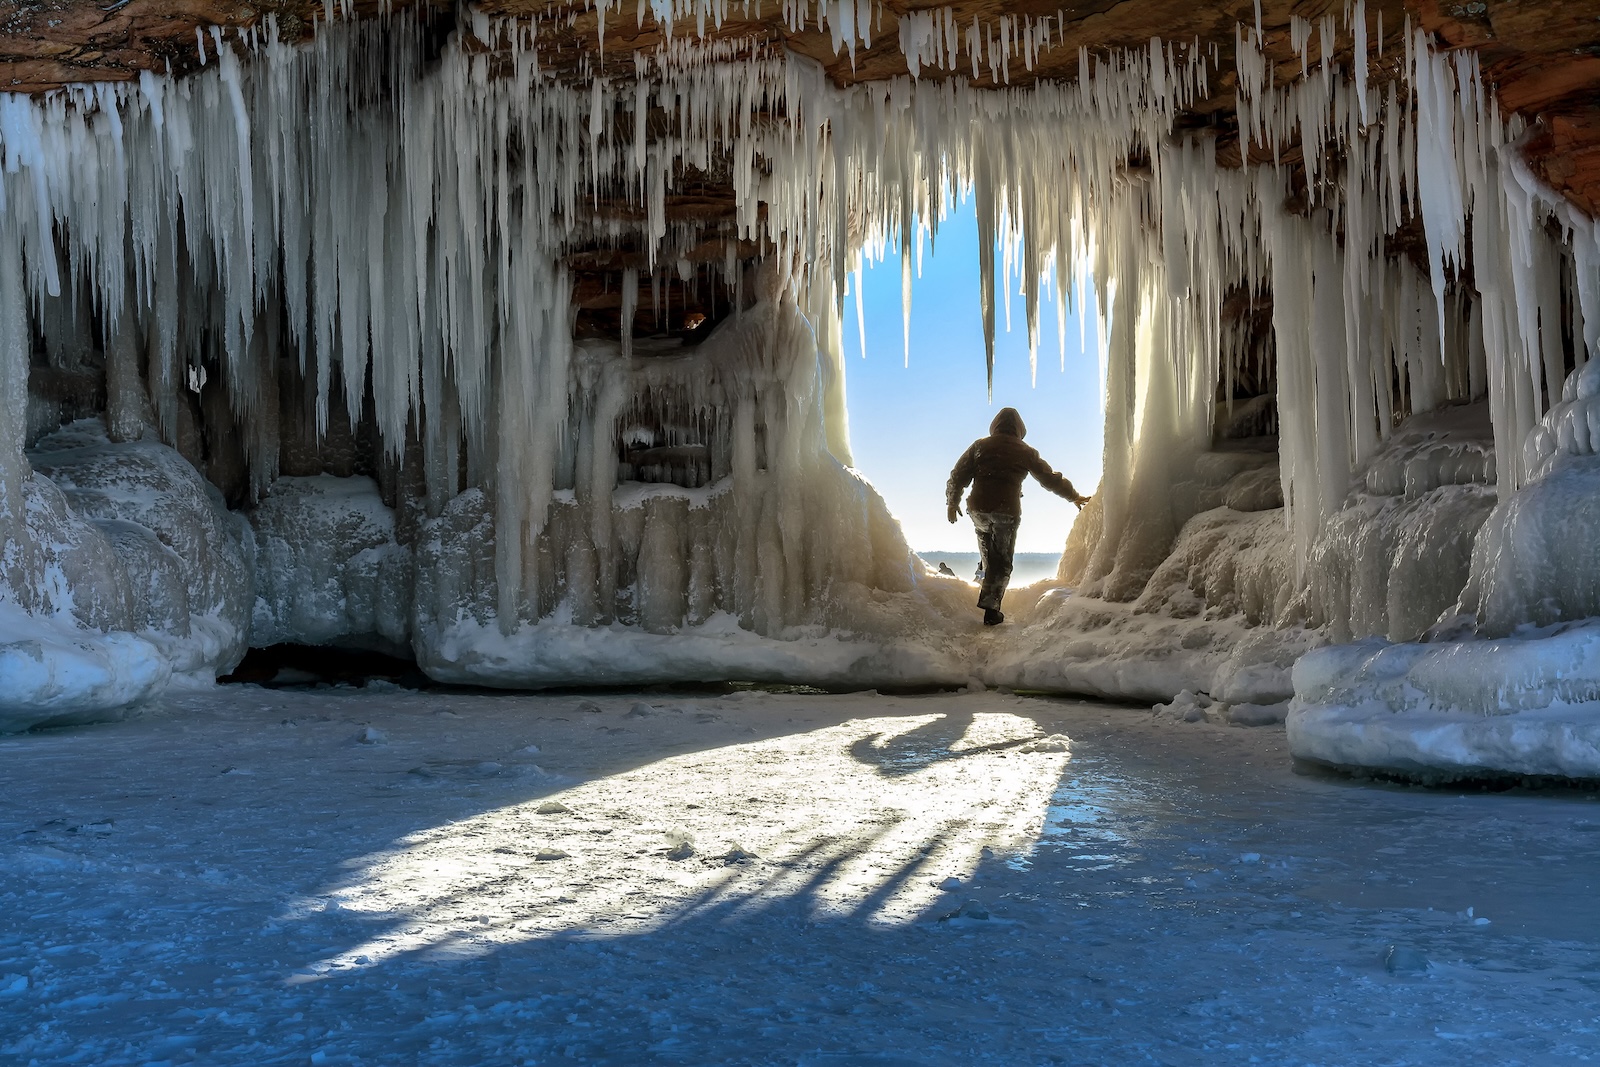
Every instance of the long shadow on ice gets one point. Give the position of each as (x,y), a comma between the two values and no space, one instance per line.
(896,754)
(261,878)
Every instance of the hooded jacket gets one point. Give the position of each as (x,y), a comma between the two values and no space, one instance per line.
(995,467)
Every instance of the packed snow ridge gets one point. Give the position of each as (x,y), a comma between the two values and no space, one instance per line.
(315,304)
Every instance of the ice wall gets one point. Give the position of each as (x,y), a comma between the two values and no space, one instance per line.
(736,546)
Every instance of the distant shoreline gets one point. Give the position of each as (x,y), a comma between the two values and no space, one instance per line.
(1026,568)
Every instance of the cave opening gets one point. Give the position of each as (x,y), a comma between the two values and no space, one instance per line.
(917,392)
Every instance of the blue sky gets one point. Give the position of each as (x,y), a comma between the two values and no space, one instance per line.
(909,425)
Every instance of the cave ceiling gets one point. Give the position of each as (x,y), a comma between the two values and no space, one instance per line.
(1542,57)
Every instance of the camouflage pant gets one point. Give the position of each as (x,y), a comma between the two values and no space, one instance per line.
(997,543)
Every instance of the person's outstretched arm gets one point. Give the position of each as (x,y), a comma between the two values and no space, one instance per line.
(1046,476)
(960,478)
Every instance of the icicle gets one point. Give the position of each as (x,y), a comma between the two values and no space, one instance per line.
(905,286)
(630,305)
(1359,17)
(861,318)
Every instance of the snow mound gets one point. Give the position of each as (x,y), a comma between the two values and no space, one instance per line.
(1098,648)
(1527,705)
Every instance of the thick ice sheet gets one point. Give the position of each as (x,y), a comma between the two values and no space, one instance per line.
(560,654)
(258,878)
(1523,705)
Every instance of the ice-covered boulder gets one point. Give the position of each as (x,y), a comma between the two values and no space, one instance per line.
(96,611)
(1537,559)
(55,673)
(1396,557)
(66,611)
(189,576)
(328,567)
(1527,705)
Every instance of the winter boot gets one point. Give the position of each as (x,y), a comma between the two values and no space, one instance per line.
(993,616)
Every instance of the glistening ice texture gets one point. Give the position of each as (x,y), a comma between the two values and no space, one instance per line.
(1524,705)
(945,880)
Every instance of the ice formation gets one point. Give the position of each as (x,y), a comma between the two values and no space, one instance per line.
(357,236)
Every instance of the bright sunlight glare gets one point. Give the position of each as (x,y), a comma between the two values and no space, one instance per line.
(867,818)
(908,425)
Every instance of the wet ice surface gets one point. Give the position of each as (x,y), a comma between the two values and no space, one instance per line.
(262,877)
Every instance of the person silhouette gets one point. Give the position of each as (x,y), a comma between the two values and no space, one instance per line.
(995,467)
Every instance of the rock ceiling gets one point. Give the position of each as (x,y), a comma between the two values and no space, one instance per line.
(1543,57)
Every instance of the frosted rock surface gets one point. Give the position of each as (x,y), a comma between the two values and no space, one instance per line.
(203,626)
(328,567)
(1524,705)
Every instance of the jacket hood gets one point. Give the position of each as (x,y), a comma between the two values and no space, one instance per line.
(1008,421)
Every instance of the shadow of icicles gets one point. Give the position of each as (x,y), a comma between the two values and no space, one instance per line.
(874,816)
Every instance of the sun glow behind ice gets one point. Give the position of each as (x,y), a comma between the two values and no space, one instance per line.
(863,820)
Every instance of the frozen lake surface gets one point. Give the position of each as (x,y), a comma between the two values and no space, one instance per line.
(249,876)
(1026,567)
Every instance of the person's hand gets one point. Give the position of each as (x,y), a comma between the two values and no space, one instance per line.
(954,512)
(1081,501)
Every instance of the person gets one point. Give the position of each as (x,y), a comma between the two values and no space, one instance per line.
(995,467)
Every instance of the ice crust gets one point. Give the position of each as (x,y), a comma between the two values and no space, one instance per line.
(1522,705)
(561,654)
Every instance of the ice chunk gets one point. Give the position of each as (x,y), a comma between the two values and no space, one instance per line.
(54,674)
(1404,959)
(328,566)
(201,626)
